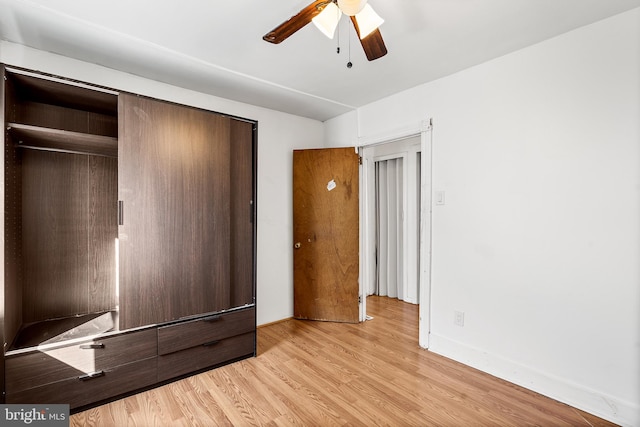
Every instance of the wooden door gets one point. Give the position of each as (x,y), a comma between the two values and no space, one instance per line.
(326,234)
(174,182)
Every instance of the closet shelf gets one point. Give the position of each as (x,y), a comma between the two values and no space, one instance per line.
(41,138)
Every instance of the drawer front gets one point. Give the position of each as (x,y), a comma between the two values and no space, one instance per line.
(76,392)
(24,371)
(204,356)
(193,333)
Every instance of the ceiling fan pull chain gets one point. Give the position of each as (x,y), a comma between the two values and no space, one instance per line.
(338,37)
(349,64)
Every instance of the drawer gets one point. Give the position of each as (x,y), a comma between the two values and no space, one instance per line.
(193,333)
(39,367)
(76,392)
(205,356)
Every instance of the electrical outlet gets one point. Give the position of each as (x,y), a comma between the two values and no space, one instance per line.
(458,318)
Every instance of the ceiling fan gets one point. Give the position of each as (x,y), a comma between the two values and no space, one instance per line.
(325,14)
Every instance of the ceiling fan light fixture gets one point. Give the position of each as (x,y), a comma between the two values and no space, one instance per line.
(368,21)
(351,7)
(328,19)
(373,44)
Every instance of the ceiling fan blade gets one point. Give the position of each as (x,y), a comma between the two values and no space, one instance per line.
(296,22)
(373,44)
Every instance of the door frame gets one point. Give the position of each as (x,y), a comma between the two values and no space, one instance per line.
(422,129)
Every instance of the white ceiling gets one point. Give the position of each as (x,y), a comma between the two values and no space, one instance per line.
(216,46)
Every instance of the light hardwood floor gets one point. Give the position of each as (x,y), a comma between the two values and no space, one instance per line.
(328,374)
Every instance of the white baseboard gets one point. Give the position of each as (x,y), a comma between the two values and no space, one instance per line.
(605,406)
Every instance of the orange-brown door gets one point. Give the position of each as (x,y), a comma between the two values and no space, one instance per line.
(326,234)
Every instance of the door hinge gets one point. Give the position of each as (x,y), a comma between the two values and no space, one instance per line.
(359,160)
(359,299)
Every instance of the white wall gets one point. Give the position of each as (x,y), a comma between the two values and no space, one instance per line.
(278,135)
(539,240)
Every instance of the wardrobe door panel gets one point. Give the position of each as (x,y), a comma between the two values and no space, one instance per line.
(242,213)
(103,233)
(174,237)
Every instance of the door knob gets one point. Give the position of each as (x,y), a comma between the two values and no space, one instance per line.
(297,245)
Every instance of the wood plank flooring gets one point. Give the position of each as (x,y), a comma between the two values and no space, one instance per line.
(330,374)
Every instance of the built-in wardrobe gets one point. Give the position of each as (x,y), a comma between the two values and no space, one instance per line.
(129,240)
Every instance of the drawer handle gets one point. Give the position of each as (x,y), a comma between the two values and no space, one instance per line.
(91,346)
(213,318)
(91,375)
(210,343)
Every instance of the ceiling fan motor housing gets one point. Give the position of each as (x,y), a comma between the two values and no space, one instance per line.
(351,7)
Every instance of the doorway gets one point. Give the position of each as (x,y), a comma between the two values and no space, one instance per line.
(413,146)
(396,216)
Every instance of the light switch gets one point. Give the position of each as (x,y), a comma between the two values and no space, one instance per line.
(440,197)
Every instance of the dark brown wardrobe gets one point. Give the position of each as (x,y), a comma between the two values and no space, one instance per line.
(129,240)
